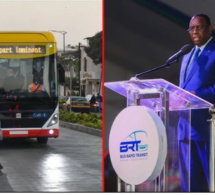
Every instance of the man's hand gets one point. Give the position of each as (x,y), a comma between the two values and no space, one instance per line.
(193,92)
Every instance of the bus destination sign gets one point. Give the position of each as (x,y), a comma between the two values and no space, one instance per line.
(22,49)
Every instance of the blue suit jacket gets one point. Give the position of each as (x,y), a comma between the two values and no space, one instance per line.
(200,79)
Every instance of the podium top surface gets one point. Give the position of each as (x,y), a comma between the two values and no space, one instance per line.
(179,99)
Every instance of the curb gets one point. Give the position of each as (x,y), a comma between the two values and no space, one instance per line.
(81,128)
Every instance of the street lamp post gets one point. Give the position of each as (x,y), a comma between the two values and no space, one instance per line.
(63,33)
(71,76)
(79,64)
(79,72)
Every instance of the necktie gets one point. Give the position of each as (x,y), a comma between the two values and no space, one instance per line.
(195,56)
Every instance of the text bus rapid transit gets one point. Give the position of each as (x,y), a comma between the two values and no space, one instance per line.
(26,57)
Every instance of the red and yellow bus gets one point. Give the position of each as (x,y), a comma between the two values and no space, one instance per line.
(29,78)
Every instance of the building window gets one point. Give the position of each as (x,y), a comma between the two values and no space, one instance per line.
(85,64)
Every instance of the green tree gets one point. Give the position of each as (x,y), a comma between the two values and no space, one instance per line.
(94,50)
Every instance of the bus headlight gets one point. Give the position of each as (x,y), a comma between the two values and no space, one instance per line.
(54,120)
(51,132)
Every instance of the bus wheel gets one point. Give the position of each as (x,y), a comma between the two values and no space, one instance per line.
(42,140)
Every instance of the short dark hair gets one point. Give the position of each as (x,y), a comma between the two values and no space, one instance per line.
(206,17)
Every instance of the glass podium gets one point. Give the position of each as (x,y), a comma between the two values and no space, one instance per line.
(171,103)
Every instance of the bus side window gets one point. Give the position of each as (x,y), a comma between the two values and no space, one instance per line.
(61,73)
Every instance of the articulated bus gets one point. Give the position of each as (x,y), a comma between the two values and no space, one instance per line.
(29,79)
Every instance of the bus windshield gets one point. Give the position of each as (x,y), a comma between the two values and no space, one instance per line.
(27,77)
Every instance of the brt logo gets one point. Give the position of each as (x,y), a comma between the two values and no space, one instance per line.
(135,142)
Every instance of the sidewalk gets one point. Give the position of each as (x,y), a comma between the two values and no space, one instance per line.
(81,128)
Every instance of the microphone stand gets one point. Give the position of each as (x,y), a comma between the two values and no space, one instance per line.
(157,68)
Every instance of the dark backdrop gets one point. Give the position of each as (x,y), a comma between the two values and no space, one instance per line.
(141,35)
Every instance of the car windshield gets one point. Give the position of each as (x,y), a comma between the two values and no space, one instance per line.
(62,98)
(82,99)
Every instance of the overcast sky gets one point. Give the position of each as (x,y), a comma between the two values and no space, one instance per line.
(79,18)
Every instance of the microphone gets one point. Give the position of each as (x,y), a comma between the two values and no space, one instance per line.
(173,59)
(184,50)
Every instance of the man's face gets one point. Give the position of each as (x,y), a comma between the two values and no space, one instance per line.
(199,31)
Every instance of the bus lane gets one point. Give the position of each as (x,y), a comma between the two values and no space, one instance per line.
(70,163)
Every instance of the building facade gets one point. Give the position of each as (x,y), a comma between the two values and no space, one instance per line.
(90,76)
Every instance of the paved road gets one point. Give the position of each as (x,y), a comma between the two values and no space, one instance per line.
(70,163)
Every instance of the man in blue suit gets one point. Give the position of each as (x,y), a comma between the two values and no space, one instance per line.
(198,77)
